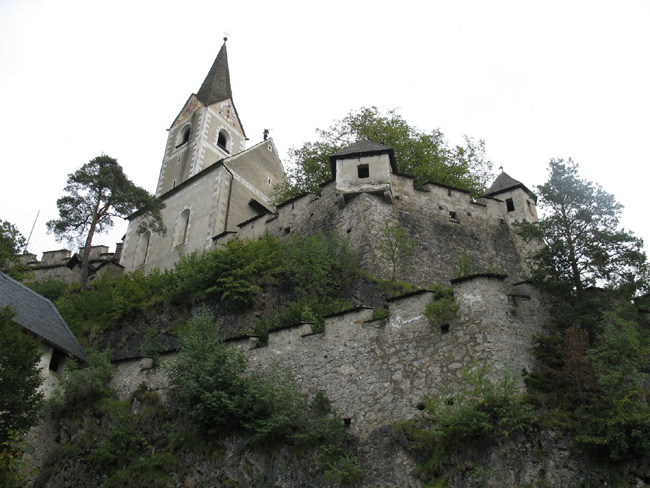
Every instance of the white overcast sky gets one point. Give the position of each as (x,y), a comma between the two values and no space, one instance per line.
(534,79)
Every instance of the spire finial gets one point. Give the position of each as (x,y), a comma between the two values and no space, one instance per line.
(225,39)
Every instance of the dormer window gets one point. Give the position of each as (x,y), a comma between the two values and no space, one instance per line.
(224,141)
(363,171)
(184,136)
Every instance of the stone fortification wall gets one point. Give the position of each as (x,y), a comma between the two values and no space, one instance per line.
(446,223)
(377,372)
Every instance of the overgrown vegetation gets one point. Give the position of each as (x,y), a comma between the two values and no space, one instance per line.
(489,408)
(318,269)
(443,309)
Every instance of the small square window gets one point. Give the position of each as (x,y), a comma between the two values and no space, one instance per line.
(363,171)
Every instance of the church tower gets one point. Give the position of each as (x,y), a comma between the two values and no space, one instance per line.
(206,130)
(209,181)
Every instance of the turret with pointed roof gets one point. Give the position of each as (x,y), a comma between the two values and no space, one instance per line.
(520,201)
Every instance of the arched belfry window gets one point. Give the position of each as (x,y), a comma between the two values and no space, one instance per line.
(142,250)
(182,228)
(184,135)
(224,141)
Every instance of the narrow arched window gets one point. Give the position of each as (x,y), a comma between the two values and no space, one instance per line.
(182,228)
(223,140)
(142,251)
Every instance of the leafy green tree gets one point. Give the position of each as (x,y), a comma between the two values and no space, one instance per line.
(98,192)
(395,248)
(211,387)
(583,244)
(424,155)
(20,377)
(12,243)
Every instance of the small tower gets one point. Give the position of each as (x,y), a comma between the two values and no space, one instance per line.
(206,130)
(363,167)
(520,202)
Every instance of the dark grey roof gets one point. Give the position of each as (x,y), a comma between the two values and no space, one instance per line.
(362,147)
(216,86)
(505,182)
(39,315)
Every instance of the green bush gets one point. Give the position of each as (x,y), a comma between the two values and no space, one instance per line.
(50,289)
(443,309)
(379,313)
(82,388)
(489,409)
(207,381)
(121,440)
(320,265)
(152,471)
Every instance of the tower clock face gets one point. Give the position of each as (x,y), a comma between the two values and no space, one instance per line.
(226,110)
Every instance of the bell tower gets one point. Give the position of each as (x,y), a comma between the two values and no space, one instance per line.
(206,130)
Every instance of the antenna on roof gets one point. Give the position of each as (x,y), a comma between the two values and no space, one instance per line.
(266,134)
(30,232)
(501,168)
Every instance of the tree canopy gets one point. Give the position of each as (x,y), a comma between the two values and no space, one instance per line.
(424,155)
(12,243)
(98,192)
(584,245)
(19,377)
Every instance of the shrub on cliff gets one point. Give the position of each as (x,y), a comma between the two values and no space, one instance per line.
(210,386)
(487,408)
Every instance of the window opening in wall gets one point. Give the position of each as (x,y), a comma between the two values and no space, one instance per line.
(363,171)
(55,361)
(184,136)
(174,184)
(223,140)
(510,204)
(444,329)
(182,227)
(268,180)
(142,249)
(530,207)
(420,406)
(453,216)
(287,230)
(347,421)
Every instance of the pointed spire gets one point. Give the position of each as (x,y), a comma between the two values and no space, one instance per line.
(216,86)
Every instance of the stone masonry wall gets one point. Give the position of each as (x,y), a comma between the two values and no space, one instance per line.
(377,372)
(445,222)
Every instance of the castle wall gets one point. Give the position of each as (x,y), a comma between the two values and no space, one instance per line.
(377,372)
(446,223)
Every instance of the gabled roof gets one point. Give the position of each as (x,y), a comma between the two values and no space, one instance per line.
(39,316)
(216,86)
(362,148)
(505,182)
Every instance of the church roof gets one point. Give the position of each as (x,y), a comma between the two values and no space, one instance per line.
(360,148)
(216,86)
(505,182)
(39,316)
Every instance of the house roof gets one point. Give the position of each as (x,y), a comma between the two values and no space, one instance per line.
(505,182)
(361,148)
(39,315)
